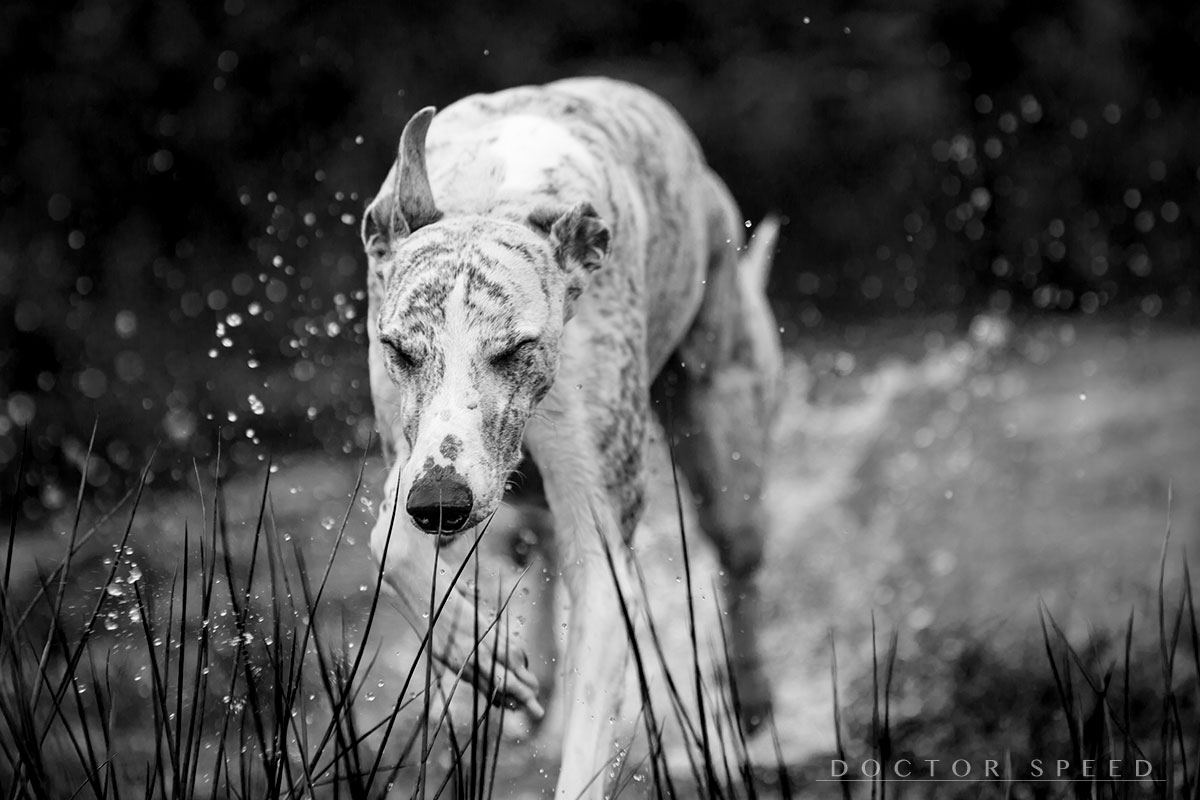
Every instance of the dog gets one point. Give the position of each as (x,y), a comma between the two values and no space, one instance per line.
(548,266)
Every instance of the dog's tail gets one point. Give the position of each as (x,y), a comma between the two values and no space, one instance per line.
(760,254)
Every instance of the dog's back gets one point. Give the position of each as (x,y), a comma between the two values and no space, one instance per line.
(614,145)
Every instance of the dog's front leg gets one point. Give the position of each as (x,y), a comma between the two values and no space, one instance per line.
(596,660)
(419,576)
(597,652)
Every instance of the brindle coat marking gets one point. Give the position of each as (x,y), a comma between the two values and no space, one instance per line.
(543,261)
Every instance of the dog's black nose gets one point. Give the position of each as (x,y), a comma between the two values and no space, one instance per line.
(440,503)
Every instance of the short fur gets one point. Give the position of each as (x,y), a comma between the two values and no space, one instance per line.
(547,265)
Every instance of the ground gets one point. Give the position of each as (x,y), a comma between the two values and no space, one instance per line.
(946,485)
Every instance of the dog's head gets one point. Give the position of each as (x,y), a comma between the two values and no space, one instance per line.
(468,321)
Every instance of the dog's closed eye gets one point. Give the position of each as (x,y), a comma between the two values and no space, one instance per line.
(512,355)
(399,356)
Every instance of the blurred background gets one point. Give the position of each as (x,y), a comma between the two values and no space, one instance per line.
(180,184)
(987,287)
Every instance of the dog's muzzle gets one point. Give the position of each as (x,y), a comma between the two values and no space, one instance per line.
(440,502)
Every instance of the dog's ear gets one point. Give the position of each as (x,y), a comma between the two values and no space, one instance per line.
(374,232)
(580,241)
(579,238)
(409,204)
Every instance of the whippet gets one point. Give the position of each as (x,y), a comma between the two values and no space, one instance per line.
(548,265)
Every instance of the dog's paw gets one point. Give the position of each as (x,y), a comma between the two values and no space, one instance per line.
(514,686)
(498,668)
(505,678)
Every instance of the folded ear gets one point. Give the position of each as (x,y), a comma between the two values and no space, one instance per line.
(408,205)
(579,239)
(375,235)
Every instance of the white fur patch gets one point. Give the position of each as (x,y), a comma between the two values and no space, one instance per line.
(515,162)
(530,146)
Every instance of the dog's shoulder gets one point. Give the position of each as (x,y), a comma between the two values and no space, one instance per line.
(562,142)
(577,103)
